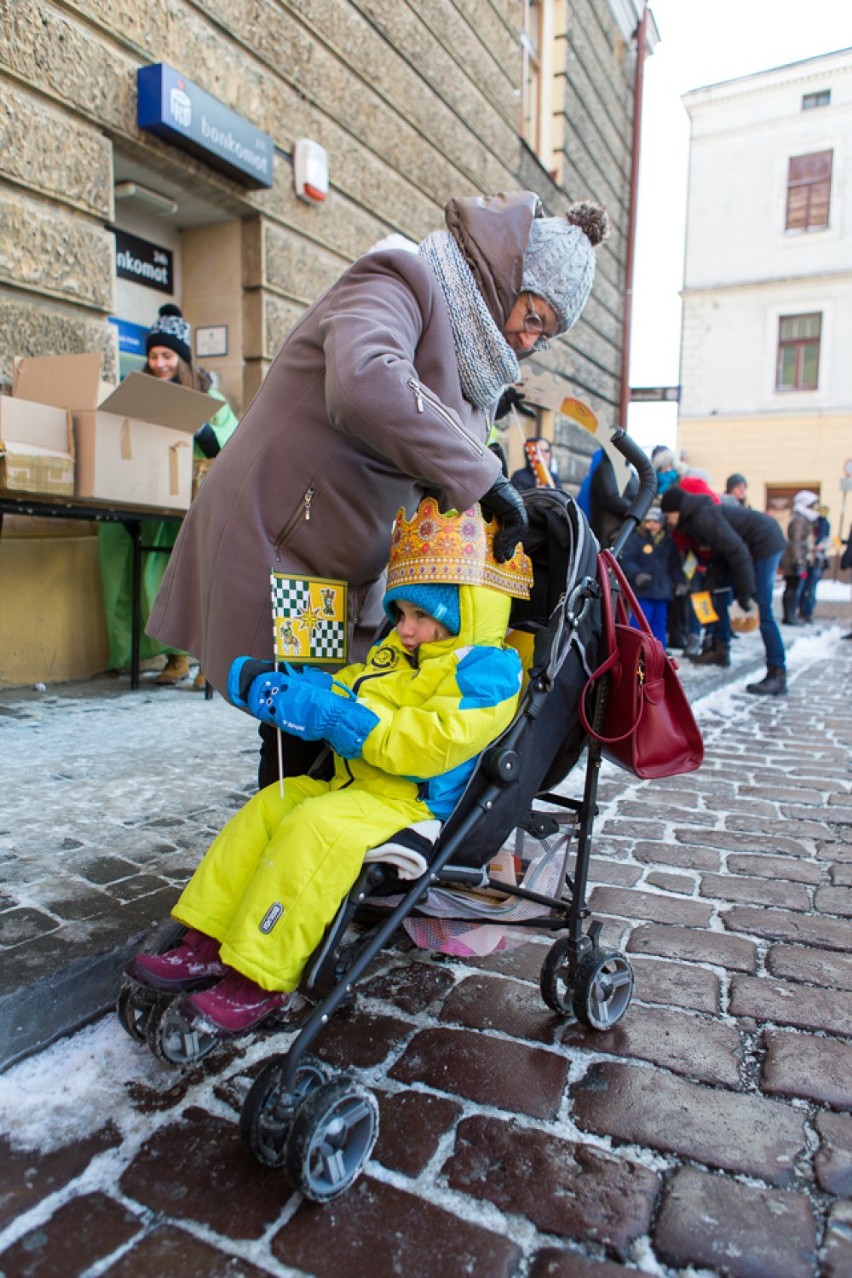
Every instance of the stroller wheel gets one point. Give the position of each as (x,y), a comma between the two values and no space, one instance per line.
(268,1108)
(133,1008)
(555,978)
(173,1037)
(331,1137)
(603,988)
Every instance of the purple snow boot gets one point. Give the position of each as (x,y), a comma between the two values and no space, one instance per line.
(236,1005)
(191,965)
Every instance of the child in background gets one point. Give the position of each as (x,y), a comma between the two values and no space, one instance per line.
(406,727)
(652,566)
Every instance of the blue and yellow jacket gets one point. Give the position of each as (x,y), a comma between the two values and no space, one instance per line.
(437,710)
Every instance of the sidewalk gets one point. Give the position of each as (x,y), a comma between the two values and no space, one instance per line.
(710,1129)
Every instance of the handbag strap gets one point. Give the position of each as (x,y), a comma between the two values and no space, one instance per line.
(608,564)
(627,599)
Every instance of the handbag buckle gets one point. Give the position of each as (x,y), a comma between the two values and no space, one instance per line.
(640,669)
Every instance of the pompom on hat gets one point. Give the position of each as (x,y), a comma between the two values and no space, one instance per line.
(437,550)
(559,262)
(172,331)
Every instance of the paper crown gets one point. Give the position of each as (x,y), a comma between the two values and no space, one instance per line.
(455,548)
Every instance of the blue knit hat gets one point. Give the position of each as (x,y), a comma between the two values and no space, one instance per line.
(440,601)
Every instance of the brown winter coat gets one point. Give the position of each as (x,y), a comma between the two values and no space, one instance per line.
(798,553)
(359,414)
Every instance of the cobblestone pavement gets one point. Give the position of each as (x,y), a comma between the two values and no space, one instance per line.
(709,1133)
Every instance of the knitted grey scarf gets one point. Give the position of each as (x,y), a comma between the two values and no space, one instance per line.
(486,361)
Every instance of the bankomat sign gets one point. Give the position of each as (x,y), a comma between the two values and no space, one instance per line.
(176,109)
(143,262)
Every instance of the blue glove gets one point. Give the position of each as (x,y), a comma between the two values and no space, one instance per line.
(242,674)
(246,671)
(306,708)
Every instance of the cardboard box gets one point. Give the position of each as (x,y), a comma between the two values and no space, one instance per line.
(36,448)
(133,442)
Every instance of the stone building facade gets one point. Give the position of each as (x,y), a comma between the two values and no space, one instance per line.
(413,102)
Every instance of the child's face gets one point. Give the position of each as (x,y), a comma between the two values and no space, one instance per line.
(415,626)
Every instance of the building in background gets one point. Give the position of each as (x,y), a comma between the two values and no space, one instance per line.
(119,193)
(766,373)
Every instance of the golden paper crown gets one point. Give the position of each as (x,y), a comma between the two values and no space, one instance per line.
(455,549)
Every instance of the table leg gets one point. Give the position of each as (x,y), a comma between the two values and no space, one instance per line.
(134,528)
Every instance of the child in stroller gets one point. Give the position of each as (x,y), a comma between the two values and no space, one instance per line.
(321,1126)
(406,728)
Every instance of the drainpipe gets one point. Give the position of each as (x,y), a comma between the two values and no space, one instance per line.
(638,83)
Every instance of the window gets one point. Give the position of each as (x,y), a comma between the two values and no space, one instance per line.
(798,352)
(811,100)
(531,76)
(808,191)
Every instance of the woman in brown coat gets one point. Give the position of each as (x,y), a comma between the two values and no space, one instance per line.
(384,390)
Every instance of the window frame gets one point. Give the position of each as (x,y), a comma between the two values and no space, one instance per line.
(813,101)
(809,192)
(805,346)
(531,123)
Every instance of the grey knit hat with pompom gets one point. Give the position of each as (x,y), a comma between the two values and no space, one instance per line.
(559,264)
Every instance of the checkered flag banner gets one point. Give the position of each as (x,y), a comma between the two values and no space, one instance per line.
(309,618)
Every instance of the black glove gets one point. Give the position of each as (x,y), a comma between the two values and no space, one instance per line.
(206,440)
(643,579)
(497,449)
(512,398)
(504,501)
(744,602)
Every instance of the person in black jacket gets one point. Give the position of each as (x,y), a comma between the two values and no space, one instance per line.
(651,564)
(699,519)
(607,505)
(766,544)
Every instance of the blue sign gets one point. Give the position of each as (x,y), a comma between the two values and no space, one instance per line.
(176,109)
(131,337)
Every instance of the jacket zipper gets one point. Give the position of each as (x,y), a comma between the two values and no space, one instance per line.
(421,396)
(302,512)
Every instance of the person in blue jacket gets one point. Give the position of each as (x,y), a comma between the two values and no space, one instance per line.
(406,727)
(652,565)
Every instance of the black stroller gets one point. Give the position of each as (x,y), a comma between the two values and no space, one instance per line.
(321,1127)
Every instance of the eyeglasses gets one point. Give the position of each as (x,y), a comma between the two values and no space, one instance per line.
(534,324)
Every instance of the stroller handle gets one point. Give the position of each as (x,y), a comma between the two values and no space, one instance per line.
(647,493)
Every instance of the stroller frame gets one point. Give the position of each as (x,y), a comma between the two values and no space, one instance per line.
(320,1127)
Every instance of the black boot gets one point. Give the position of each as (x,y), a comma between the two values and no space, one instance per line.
(718,655)
(774,684)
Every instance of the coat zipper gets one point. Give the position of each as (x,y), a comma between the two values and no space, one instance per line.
(303,512)
(421,396)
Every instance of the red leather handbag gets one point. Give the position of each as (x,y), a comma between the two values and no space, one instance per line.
(641,716)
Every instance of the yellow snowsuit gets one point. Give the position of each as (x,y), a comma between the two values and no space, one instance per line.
(275,876)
